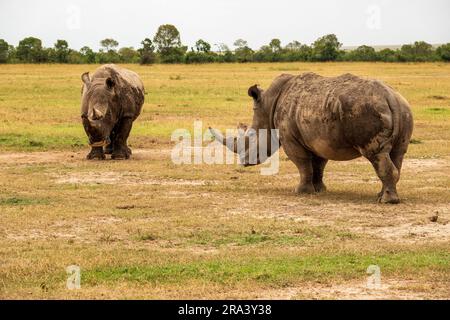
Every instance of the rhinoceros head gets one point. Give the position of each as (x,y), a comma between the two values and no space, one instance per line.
(98,115)
(254,145)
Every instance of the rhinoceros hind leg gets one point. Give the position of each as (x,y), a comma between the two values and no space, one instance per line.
(96,154)
(318,168)
(389,176)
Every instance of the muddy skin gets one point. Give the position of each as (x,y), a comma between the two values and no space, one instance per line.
(337,118)
(111,101)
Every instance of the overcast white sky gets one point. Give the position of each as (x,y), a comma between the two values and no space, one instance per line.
(355,22)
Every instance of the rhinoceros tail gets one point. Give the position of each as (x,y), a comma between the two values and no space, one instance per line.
(395,108)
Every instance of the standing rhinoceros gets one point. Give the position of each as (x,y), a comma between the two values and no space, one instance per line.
(339,118)
(111,100)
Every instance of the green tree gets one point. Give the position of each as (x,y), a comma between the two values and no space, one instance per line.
(30,50)
(61,51)
(128,55)
(202,46)
(363,53)
(326,48)
(293,46)
(240,43)
(387,55)
(443,52)
(275,45)
(147,52)
(418,51)
(243,52)
(75,57)
(225,54)
(12,54)
(87,55)
(109,44)
(168,43)
(264,54)
(295,51)
(4,51)
(222,47)
(108,54)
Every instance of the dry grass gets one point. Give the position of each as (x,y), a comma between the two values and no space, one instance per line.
(147,228)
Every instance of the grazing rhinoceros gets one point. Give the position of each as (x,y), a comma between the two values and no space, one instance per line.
(111,100)
(340,118)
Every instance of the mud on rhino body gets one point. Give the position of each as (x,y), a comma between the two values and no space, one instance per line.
(111,100)
(337,118)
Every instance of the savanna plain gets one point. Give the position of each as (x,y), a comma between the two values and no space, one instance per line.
(149,228)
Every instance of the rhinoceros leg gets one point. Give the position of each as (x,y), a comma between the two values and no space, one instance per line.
(109,148)
(96,154)
(303,161)
(388,173)
(318,167)
(305,168)
(120,148)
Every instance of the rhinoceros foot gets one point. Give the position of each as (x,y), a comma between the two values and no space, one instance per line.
(305,188)
(121,153)
(388,197)
(96,154)
(108,149)
(320,187)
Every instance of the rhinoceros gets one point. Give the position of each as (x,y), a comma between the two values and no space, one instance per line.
(111,100)
(331,118)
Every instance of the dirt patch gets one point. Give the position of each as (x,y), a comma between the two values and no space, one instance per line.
(420,165)
(409,232)
(28,158)
(122,178)
(22,158)
(389,289)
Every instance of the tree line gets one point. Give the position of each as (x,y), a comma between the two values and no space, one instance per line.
(166,47)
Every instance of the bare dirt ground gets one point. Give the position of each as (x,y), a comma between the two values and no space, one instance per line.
(412,222)
(433,226)
(426,222)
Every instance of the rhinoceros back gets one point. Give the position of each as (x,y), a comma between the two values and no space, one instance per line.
(334,114)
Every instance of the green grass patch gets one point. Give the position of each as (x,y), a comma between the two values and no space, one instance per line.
(439,111)
(16,201)
(415,141)
(26,142)
(275,271)
(300,236)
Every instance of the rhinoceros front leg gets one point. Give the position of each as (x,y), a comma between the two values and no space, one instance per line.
(303,161)
(306,170)
(389,176)
(120,148)
(109,148)
(318,168)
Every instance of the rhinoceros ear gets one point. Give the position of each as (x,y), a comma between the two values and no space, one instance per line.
(110,83)
(85,78)
(254,92)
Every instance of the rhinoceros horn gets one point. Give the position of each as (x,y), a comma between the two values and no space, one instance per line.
(229,142)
